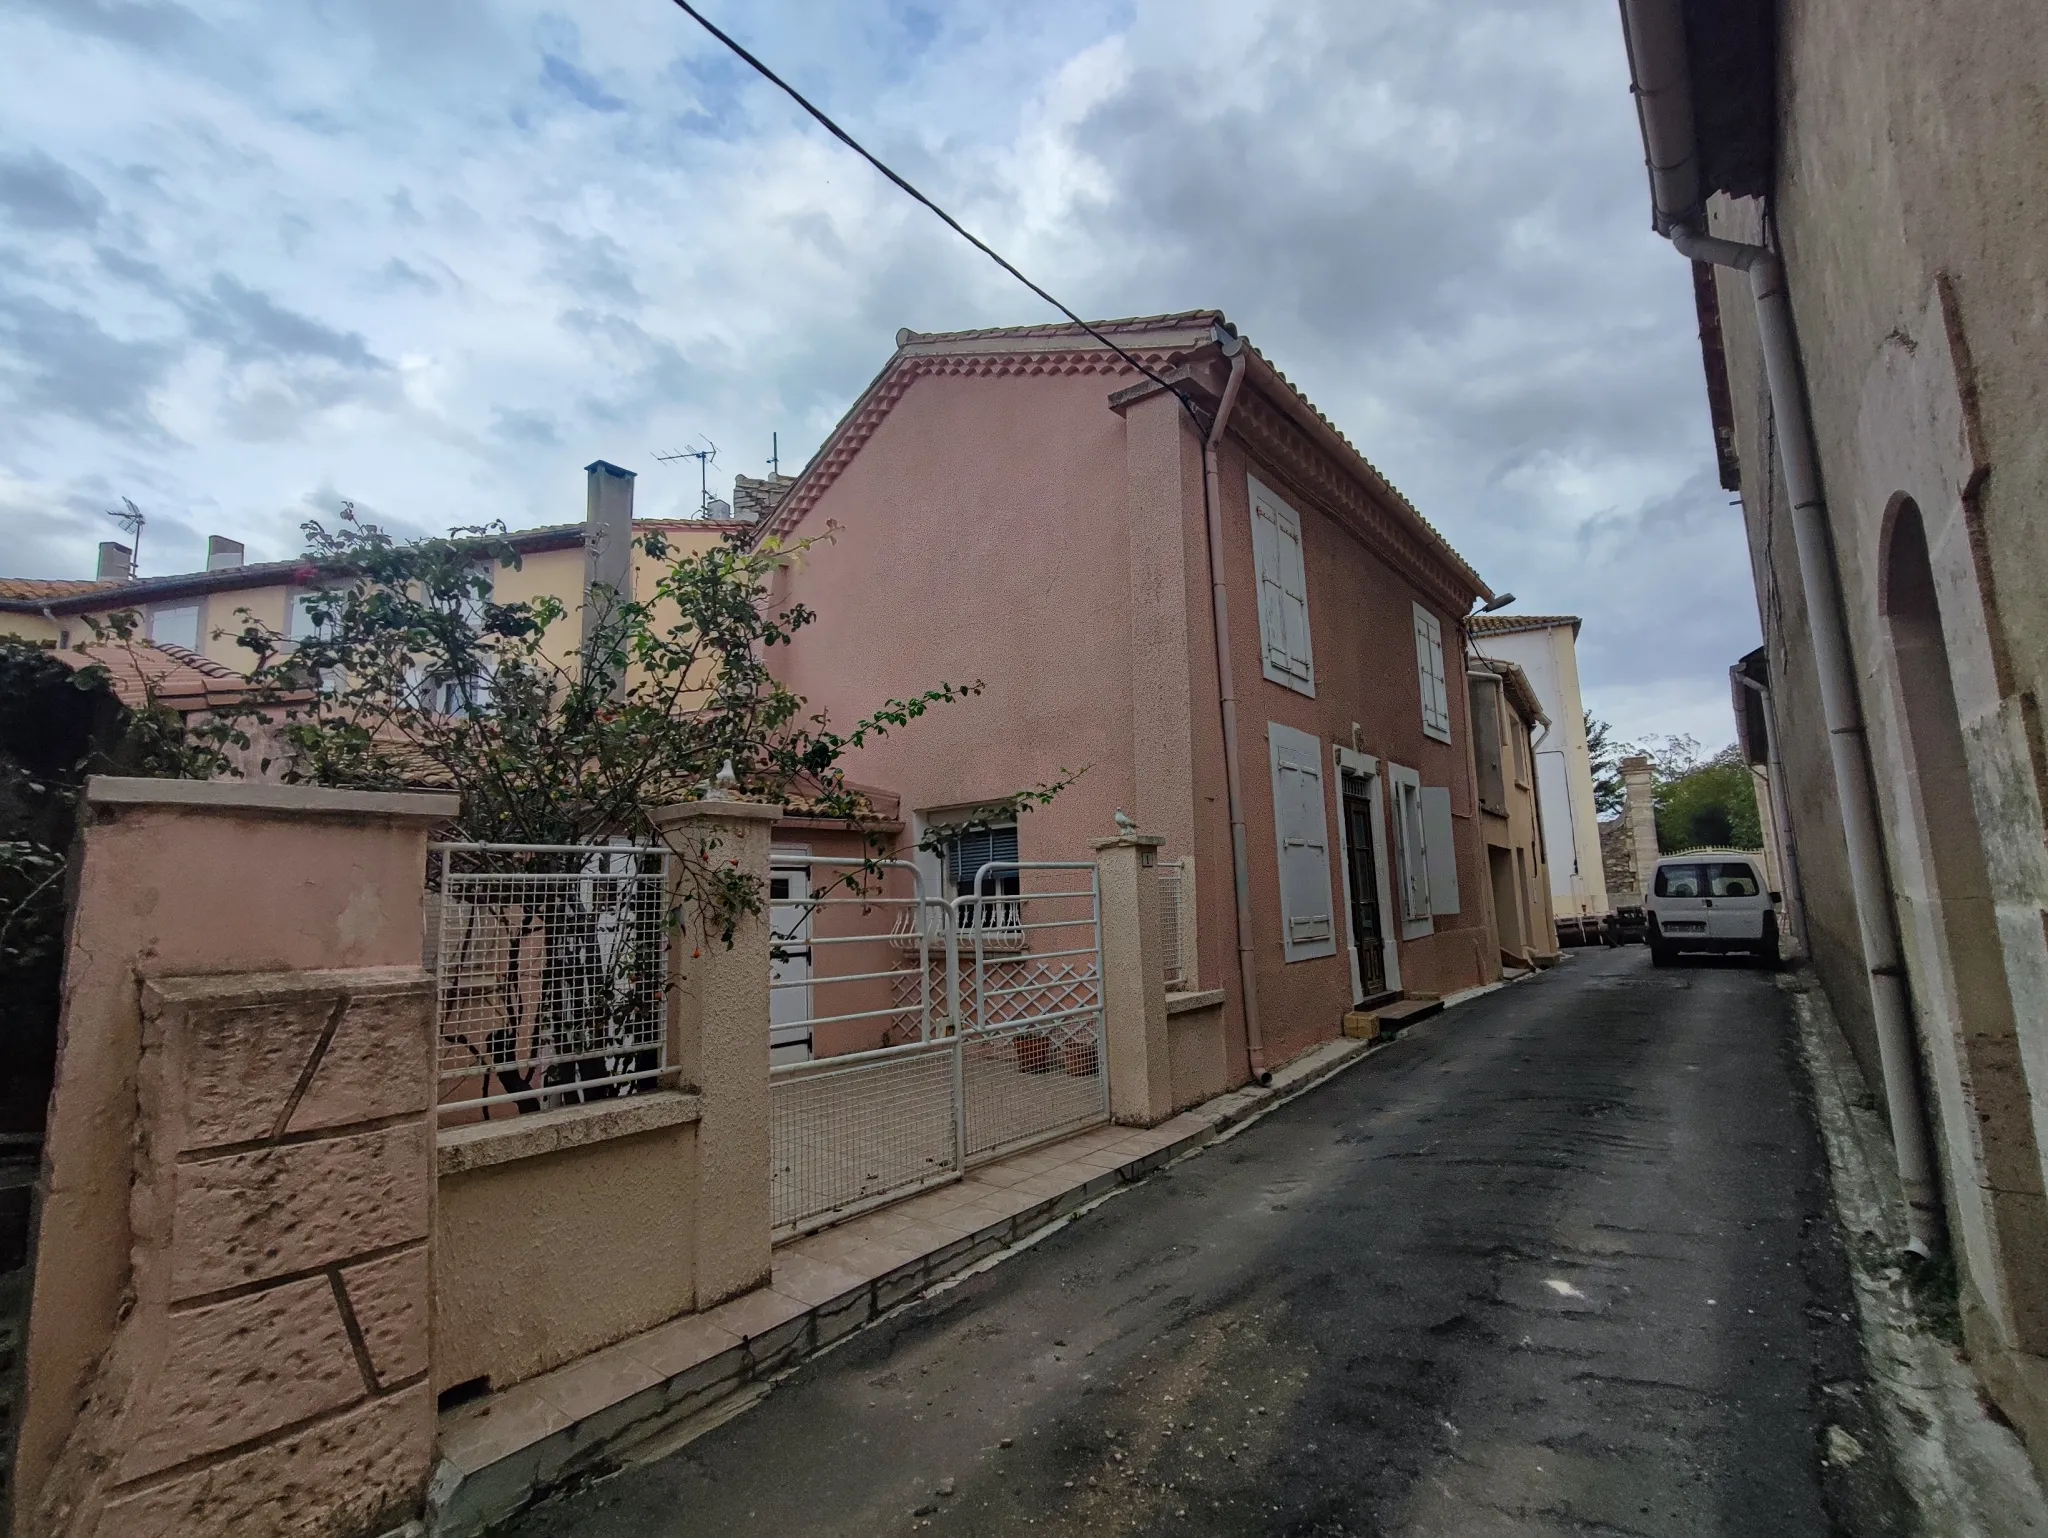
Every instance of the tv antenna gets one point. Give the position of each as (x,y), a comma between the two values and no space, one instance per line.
(131,520)
(775,453)
(706,457)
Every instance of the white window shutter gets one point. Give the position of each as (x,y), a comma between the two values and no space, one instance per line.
(1308,925)
(1440,849)
(1408,845)
(1284,643)
(1429,670)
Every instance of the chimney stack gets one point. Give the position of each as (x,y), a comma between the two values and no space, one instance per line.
(1638,775)
(117,562)
(222,553)
(607,545)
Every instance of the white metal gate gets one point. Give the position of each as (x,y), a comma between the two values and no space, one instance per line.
(990,1010)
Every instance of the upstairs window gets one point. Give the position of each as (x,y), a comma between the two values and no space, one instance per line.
(1429,667)
(1283,591)
(176,624)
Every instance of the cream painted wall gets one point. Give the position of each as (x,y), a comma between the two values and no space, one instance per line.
(1564,770)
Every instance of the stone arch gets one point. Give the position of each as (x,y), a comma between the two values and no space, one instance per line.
(1965,917)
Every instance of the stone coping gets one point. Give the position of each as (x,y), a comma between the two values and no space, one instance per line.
(1182,1003)
(715,806)
(243,796)
(482,1144)
(643,1396)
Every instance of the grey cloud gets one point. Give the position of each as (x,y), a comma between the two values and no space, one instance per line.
(139,23)
(64,363)
(399,273)
(39,193)
(516,425)
(578,84)
(249,325)
(594,267)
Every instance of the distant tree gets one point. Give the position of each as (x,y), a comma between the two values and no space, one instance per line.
(1608,793)
(1703,799)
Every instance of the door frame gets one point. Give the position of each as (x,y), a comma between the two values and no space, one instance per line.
(1364,768)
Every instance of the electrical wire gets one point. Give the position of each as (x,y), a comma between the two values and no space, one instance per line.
(950,222)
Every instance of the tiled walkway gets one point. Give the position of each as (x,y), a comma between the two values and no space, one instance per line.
(498,1452)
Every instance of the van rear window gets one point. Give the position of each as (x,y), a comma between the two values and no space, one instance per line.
(1680,881)
(1737,878)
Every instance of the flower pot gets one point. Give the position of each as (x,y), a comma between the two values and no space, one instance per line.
(1034,1053)
(1080,1059)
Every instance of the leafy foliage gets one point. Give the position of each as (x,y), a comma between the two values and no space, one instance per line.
(1701,798)
(58,725)
(409,675)
(1608,791)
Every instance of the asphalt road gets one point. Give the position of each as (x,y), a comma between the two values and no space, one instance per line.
(1559,1261)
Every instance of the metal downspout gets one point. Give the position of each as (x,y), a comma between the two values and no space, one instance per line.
(1795,893)
(1655,33)
(1226,689)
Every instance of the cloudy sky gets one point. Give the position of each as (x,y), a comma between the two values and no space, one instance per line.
(256,258)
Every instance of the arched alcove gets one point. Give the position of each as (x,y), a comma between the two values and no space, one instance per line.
(1966,918)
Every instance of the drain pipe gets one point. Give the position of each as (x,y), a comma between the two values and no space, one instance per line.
(1233,768)
(1655,32)
(1795,893)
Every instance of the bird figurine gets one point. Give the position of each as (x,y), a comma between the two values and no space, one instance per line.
(1126,824)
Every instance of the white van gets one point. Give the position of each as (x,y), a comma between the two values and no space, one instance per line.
(1710,900)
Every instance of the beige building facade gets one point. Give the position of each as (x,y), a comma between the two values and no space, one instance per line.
(1507,722)
(1546,649)
(1860,189)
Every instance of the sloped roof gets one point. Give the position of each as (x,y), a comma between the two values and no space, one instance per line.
(1521,693)
(181,679)
(1507,624)
(1161,342)
(43,589)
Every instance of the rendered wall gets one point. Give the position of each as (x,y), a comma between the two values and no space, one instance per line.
(228,1330)
(1063,563)
(1907,206)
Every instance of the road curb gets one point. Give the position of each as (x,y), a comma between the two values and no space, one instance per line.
(1966,1475)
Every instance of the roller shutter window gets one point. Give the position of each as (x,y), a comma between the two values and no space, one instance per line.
(1301,826)
(1429,667)
(1283,591)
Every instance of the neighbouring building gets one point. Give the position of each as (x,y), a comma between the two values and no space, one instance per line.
(1021,509)
(1506,720)
(1546,648)
(195,617)
(1859,189)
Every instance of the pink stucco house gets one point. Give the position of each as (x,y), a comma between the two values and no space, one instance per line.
(1022,507)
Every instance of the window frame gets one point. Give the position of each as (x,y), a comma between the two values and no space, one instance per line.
(196,608)
(1432,674)
(1411,852)
(1280,575)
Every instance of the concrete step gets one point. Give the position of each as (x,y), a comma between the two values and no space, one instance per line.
(1396,1018)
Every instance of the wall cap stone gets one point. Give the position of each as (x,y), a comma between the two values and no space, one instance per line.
(229,987)
(304,800)
(1130,841)
(483,1144)
(1181,1003)
(715,807)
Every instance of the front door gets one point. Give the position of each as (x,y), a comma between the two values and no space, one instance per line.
(789,964)
(1364,883)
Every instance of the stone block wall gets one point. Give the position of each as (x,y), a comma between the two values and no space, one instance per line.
(270,1374)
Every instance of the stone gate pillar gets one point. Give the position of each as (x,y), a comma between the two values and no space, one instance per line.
(719,1040)
(1134,979)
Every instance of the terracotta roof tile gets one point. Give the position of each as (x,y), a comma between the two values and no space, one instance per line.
(1504,624)
(29,589)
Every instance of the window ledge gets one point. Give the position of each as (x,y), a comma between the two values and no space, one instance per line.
(482,1144)
(1183,1003)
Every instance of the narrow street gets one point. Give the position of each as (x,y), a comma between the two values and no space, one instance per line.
(1557,1262)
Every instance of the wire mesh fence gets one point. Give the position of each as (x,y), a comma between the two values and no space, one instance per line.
(550,965)
(1004,993)
(847,1133)
(1171,892)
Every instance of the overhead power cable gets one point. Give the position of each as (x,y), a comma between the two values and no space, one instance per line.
(951,223)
